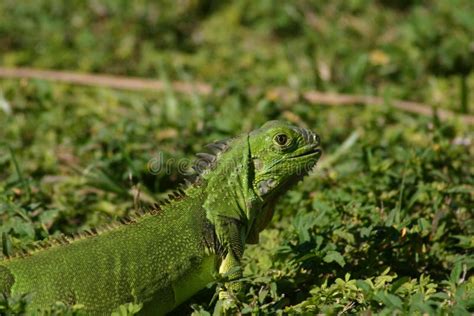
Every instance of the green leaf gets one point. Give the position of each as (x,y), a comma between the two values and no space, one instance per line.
(456,272)
(334,256)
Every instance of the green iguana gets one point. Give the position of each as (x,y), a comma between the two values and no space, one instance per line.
(165,255)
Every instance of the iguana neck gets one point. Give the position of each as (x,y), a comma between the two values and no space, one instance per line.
(229,190)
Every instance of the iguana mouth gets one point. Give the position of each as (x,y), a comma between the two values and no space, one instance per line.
(311,150)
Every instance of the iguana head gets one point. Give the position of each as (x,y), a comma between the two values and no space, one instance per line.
(281,155)
(253,170)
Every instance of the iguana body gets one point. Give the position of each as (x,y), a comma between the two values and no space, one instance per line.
(130,263)
(165,256)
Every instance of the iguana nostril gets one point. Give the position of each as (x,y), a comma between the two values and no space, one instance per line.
(304,133)
(317,140)
(310,137)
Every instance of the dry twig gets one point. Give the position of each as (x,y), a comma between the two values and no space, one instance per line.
(117,82)
(130,83)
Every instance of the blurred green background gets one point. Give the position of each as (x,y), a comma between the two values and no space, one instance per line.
(384,225)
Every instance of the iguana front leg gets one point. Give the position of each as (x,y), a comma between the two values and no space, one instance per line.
(230,235)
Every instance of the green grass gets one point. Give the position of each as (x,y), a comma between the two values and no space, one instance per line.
(385,225)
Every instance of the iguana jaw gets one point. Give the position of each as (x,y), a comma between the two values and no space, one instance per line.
(309,156)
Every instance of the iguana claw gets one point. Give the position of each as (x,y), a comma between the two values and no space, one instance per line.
(228,303)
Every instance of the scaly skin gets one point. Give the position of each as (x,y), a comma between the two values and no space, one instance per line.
(165,256)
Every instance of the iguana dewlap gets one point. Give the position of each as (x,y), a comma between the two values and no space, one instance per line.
(165,256)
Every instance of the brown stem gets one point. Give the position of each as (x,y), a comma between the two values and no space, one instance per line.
(133,83)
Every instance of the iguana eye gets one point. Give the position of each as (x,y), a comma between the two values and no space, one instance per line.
(281,139)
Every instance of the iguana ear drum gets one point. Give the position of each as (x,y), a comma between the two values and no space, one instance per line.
(265,186)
